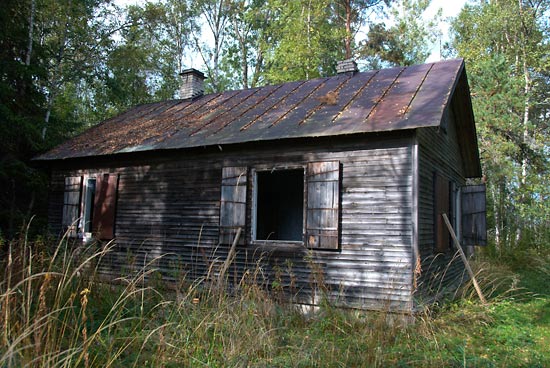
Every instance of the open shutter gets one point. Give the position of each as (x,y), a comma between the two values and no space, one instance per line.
(233,203)
(441,206)
(323,200)
(103,221)
(474,215)
(71,204)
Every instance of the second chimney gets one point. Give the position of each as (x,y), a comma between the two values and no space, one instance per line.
(346,66)
(192,84)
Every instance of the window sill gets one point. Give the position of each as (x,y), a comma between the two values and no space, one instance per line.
(82,237)
(278,245)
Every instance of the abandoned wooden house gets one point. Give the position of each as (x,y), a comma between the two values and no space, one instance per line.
(336,184)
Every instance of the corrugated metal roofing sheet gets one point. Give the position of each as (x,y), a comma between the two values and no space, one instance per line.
(374,101)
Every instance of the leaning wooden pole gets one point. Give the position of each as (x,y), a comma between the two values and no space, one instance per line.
(464,259)
(229,259)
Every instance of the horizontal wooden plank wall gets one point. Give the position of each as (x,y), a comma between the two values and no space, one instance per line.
(438,152)
(170,209)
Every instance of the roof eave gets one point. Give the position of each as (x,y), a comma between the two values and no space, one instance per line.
(461,103)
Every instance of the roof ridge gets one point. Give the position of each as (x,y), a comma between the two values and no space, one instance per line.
(400,98)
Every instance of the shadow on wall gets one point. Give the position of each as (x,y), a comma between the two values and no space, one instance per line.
(167,214)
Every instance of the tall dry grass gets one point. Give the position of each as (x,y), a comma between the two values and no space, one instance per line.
(45,297)
(55,311)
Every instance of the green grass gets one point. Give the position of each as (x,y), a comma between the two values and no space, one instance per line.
(51,315)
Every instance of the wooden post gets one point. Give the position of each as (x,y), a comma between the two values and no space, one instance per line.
(464,259)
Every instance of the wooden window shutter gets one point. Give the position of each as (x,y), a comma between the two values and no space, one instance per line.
(474,215)
(323,202)
(233,203)
(441,206)
(103,221)
(71,204)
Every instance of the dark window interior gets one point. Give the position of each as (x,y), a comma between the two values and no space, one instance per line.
(280,205)
(89,205)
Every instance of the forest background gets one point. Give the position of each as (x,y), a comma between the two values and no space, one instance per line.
(66,65)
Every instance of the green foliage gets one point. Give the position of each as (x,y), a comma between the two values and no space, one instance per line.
(258,42)
(20,121)
(63,70)
(408,41)
(307,41)
(66,65)
(249,38)
(143,65)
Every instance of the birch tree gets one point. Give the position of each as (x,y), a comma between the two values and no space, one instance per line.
(215,16)
(72,35)
(249,39)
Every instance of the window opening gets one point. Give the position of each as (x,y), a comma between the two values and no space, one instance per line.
(89,199)
(280,205)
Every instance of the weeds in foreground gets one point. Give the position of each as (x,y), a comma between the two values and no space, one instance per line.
(54,311)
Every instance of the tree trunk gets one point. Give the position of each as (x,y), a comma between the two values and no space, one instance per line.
(525,123)
(55,80)
(258,67)
(31,29)
(244,66)
(308,35)
(347,5)
(496,214)
(49,106)
(241,38)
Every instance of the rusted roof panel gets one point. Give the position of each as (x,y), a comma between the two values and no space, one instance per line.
(374,101)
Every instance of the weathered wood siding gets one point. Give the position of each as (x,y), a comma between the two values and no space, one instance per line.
(438,154)
(170,207)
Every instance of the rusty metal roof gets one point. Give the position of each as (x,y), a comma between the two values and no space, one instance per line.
(374,101)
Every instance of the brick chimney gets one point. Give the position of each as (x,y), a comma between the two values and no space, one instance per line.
(346,66)
(192,84)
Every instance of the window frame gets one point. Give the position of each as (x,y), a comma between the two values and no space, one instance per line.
(70,221)
(322,205)
(90,203)
(254,203)
(87,205)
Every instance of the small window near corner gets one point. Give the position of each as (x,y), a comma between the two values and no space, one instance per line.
(88,207)
(279,205)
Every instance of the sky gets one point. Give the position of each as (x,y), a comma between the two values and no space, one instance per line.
(450,8)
